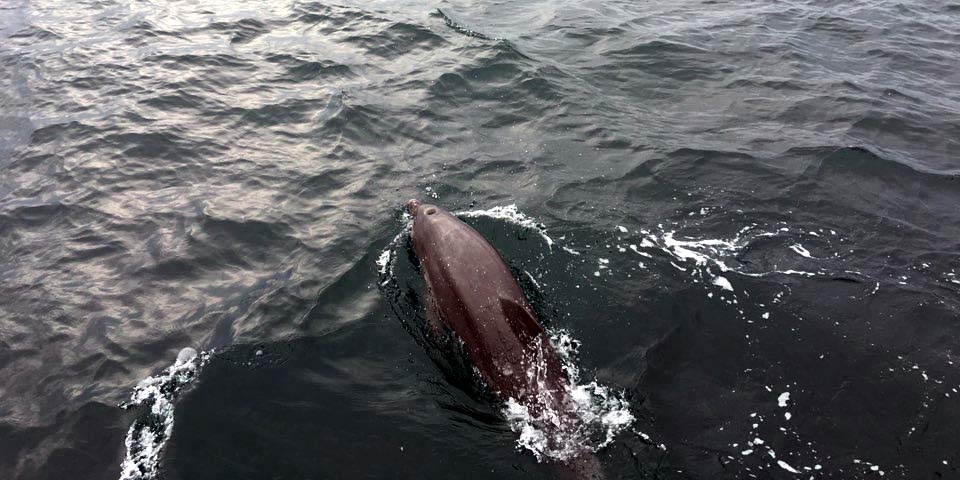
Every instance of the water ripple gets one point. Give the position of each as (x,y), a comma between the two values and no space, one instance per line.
(222,174)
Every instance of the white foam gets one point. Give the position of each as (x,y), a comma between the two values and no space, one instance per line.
(145,439)
(796,272)
(723,283)
(383,261)
(535,283)
(708,255)
(602,413)
(803,252)
(512,215)
(787,467)
(783,399)
(697,250)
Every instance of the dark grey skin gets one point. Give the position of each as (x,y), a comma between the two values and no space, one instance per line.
(471,291)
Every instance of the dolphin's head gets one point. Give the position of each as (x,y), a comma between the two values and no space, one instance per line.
(430,222)
(416,208)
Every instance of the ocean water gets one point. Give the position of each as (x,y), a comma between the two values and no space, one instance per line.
(743,217)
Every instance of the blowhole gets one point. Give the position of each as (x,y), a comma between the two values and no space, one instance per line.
(431,211)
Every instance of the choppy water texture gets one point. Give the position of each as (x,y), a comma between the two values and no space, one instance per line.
(753,208)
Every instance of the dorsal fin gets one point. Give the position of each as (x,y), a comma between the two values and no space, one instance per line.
(521,321)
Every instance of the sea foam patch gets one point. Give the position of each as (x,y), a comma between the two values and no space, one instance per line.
(601,413)
(711,256)
(149,433)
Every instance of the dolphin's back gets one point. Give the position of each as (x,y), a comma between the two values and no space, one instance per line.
(476,295)
(472,291)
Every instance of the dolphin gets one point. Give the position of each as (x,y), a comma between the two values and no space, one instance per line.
(472,293)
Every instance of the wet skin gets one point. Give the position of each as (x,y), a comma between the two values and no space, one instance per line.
(472,292)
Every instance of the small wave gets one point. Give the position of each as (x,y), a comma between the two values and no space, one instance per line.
(453,25)
(396,39)
(511,214)
(149,433)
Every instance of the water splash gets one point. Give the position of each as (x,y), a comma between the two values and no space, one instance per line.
(511,214)
(149,433)
(385,261)
(600,413)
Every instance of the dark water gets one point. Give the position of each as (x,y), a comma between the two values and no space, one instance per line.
(224,175)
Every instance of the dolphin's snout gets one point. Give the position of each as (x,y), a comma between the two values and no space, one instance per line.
(412,206)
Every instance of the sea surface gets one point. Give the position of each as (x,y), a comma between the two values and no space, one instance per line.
(743,217)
